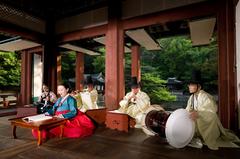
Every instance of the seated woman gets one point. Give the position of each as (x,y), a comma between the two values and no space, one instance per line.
(78,125)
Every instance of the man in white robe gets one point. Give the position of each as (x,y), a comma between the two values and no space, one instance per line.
(135,103)
(88,98)
(203,111)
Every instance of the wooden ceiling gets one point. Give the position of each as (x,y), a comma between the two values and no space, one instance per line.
(55,9)
(51,9)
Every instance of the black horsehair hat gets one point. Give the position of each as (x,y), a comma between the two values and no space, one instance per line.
(196,77)
(89,80)
(134,83)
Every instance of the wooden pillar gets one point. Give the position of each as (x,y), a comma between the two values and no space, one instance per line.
(227,70)
(114,72)
(135,57)
(50,69)
(50,55)
(79,71)
(25,96)
(59,69)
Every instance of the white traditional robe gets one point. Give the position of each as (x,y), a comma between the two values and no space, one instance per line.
(136,108)
(208,125)
(84,106)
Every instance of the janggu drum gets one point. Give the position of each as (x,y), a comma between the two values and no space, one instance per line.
(177,127)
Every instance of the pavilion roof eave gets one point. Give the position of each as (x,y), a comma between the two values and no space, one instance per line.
(78,49)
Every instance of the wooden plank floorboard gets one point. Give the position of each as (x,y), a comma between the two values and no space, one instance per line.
(104,144)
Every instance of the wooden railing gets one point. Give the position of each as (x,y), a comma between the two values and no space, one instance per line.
(8,99)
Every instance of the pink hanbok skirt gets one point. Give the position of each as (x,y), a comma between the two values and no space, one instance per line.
(79,126)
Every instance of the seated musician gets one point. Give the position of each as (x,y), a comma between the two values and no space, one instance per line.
(78,125)
(135,103)
(203,111)
(47,98)
(47,95)
(88,98)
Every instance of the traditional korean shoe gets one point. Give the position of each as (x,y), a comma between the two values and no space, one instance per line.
(196,143)
(138,126)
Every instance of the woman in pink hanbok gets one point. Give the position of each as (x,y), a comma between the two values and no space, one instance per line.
(77,125)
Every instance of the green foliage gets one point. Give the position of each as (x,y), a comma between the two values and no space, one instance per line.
(154,86)
(92,64)
(99,64)
(178,58)
(88,64)
(10,74)
(127,72)
(68,65)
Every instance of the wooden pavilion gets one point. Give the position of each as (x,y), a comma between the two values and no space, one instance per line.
(44,27)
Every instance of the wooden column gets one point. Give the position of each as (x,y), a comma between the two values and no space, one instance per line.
(59,69)
(227,70)
(50,55)
(79,71)
(135,57)
(50,69)
(114,72)
(25,96)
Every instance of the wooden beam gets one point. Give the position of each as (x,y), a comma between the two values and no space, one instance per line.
(185,12)
(82,34)
(38,49)
(19,31)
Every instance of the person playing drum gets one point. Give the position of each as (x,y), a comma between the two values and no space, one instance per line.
(203,111)
(135,103)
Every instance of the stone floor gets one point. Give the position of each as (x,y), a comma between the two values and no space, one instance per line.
(104,144)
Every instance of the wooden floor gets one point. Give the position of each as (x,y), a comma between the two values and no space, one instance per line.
(104,144)
(8,111)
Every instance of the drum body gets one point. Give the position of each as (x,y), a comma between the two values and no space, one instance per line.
(154,120)
(177,127)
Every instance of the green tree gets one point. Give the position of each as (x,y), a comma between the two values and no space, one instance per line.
(151,81)
(154,86)
(99,63)
(10,70)
(178,58)
(92,64)
(68,66)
